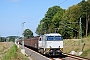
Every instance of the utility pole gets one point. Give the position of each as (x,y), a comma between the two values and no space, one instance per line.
(22,35)
(0,37)
(23,50)
(80,35)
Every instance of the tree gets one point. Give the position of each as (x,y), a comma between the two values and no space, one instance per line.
(57,18)
(85,12)
(40,29)
(46,23)
(2,39)
(12,38)
(63,20)
(71,15)
(28,33)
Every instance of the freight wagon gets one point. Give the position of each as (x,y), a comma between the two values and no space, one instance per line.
(31,43)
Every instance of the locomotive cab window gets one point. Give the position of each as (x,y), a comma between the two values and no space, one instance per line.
(51,38)
(58,38)
(39,39)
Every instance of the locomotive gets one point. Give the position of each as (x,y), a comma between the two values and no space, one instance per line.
(49,44)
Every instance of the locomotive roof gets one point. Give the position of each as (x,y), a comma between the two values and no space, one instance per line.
(53,34)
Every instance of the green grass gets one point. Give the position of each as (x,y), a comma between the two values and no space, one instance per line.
(71,44)
(11,53)
(74,45)
(14,54)
(85,53)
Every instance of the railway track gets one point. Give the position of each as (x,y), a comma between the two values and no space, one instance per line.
(57,59)
(69,57)
(38,56)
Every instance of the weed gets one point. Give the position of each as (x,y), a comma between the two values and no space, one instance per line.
(85,53)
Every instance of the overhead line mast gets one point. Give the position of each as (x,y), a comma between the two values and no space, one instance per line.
(23,49)
(80,35)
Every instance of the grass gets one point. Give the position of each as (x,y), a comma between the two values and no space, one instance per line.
(14,54)
(86,53)
(11,53)
(74,45)
(3,46)
(70,45)
(86,50)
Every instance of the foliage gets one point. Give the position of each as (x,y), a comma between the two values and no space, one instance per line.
(2,39)
(85,5)
(14,54)
(28,33)
(46,25)
(57,18)
(66,22)
(85,53)
(12,38)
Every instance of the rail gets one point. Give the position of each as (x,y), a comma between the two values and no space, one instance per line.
(69,57)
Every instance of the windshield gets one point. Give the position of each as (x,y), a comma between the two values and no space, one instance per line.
(54,38)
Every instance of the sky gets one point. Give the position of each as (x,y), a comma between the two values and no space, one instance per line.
(14,12)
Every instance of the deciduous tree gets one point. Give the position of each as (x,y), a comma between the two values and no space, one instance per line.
(28,33)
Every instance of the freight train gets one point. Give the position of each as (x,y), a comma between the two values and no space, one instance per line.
(48,44)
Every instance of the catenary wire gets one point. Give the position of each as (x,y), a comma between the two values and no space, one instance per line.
(43,13)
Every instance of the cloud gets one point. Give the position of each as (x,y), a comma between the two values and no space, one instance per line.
(14,0)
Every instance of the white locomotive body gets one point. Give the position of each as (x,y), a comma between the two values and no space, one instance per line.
(51,44)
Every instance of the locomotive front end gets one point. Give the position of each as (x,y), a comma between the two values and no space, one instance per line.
(52,44)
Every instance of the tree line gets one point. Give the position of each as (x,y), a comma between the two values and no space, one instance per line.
(66,21)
